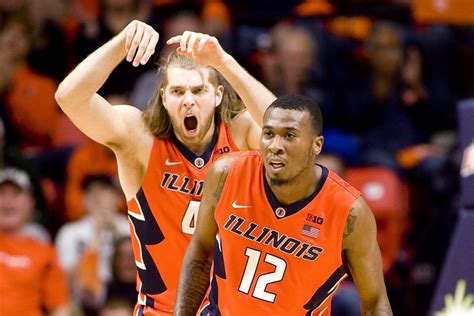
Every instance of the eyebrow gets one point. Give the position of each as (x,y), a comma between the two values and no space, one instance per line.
(182,87)
(288,128)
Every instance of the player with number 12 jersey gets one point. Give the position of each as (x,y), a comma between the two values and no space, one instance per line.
(277,259)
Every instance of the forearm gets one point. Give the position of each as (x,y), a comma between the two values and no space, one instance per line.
(254,94)
(193,284)
(87,78)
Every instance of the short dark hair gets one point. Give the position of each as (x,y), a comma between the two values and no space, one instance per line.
(101,179)
(300,102)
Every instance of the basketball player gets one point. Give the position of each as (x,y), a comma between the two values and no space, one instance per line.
(164,153)
(284,226)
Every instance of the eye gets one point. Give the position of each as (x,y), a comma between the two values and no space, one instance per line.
(197,90)
(267,134)
(176,91)
(290,135)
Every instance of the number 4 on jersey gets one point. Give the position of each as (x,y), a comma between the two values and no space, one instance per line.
(188,224)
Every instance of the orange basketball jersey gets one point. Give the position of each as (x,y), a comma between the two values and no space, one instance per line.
(273,259)
(163,214)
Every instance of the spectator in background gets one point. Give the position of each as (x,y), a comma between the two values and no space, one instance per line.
(50,53)
(124,274)
(10,156)
(116,307)
(85,247)
(387,105)
(25,92)
(293,64)
(31,277)
(88,159)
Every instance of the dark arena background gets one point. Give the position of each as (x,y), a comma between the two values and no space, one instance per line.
(394,80)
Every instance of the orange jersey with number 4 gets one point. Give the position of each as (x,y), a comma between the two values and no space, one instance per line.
(272,259)
(163,214)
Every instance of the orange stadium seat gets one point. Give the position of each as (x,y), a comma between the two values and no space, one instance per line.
(388,198)
(444,11)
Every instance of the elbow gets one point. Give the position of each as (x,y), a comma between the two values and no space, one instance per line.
(61,95)
(65,96)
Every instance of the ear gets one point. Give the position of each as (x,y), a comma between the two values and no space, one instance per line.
(163,97)
(317,145)
(219,94)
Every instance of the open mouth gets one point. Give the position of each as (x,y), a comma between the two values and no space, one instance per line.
(190,124)
(276,165)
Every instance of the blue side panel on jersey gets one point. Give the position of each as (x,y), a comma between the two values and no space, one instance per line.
(219,267)
(212,309)
(219,271)
(324,291)
(149,233)
(140,311)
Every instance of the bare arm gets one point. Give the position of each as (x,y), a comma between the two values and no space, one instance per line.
(77,93)
(364,260)
(194,278)
(206,50)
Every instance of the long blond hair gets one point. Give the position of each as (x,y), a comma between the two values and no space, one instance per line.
(156,117)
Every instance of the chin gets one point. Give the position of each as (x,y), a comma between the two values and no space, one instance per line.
(275,181)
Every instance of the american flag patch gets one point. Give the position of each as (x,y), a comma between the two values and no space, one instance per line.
(310,231)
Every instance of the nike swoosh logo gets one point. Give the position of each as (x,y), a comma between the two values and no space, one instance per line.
(235,205)
(172,163)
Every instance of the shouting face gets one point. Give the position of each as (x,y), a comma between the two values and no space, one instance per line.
(191,101)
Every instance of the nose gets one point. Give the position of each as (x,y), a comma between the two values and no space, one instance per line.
(188,98)
(276,145)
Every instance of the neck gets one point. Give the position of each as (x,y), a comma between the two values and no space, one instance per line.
(299,188)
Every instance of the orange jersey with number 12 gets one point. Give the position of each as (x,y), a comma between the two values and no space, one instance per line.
(273,259)
(163,214)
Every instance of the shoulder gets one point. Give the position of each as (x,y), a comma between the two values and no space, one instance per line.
(223,164)
(38,249)
(138,134)
(360,224)
(342,186)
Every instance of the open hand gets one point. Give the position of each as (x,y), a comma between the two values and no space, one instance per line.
(202,48)
(140,42)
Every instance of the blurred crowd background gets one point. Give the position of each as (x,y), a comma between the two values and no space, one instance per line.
(387,75)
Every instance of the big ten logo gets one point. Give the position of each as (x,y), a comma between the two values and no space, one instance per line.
(222,150)
(314,219)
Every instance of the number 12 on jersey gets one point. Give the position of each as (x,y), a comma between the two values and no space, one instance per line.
(253,258)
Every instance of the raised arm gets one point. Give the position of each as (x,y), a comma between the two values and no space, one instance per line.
(77,93)
(364,260)
(194,278)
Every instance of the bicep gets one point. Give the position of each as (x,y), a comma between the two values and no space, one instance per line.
(246,132)
(102,122)
(363,254)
